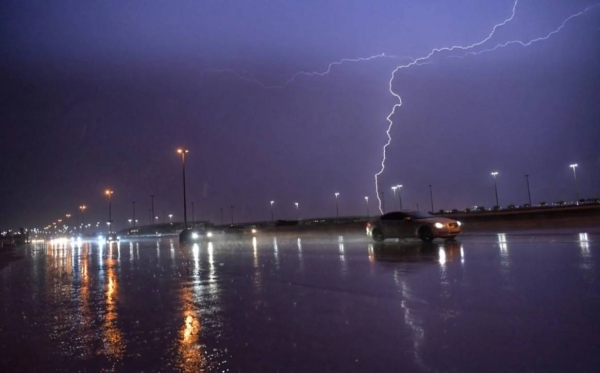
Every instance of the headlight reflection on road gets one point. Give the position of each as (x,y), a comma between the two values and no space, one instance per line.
(502,242)
(584,243)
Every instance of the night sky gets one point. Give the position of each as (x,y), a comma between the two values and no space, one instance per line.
(100,95)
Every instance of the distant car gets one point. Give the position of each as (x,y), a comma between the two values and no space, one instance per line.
(112,237)
(413,224)
(194,234)
(241,230)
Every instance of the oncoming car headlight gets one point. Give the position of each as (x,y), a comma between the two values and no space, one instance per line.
(209,234)
(439,225)
(459,223)
(253,230)
(195,235)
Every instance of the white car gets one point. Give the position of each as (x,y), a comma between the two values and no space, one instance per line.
(412,224)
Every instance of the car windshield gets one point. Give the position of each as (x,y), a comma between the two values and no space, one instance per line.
(419,215)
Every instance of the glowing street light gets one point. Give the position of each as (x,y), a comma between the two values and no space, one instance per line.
(367,203)
(170,218)
(134,221)
(297,210)
(337,211)
(129,220)
(494,174)
(183,152)
(272,217)
(399,187)
(574,166)
(152,204)
(109,193)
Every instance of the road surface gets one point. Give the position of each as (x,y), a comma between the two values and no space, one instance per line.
(528,301)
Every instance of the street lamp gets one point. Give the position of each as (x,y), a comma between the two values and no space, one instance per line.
(337,211)
(574,166)
(170,218)
(133,203)
(399,195)
(297,210)
(183,152)
(367,203)
(109,193)
(431,197)
(272,218)
(494,174)
(129,220)
(528,190)
(152,201)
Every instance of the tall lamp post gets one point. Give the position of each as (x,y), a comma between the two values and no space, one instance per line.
(297,210)
(394,189)
(574,166)
(231,214)
(337,210)
(367,203)
(133,203)
(494,174)
(82,209)
(528,190)
(152,213)
(109,193)
(399,195)
(272,218)
(183,152)
(431,197)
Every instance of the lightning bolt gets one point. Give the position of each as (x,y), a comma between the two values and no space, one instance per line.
(417,62)
(292,78)
(526,44)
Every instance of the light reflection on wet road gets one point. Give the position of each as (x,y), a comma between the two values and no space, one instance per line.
(497,302)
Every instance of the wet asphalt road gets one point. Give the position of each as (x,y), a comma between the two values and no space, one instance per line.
(487,303)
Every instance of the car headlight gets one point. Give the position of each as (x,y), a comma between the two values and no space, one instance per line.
(439,225)
(195,236)
(459,223)
(209,234)
(253,230)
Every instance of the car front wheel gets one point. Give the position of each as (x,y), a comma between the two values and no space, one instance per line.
(377,235)
(425,234)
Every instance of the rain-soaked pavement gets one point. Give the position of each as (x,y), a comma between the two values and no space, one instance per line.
(488,303)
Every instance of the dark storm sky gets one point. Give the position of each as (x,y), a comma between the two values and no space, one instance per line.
(99,95)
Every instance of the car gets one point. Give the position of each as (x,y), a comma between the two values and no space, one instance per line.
(112,237)
(241,230)
(194,234)
(412,224)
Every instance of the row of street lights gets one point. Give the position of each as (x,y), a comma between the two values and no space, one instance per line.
(496,173)
(395,188)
